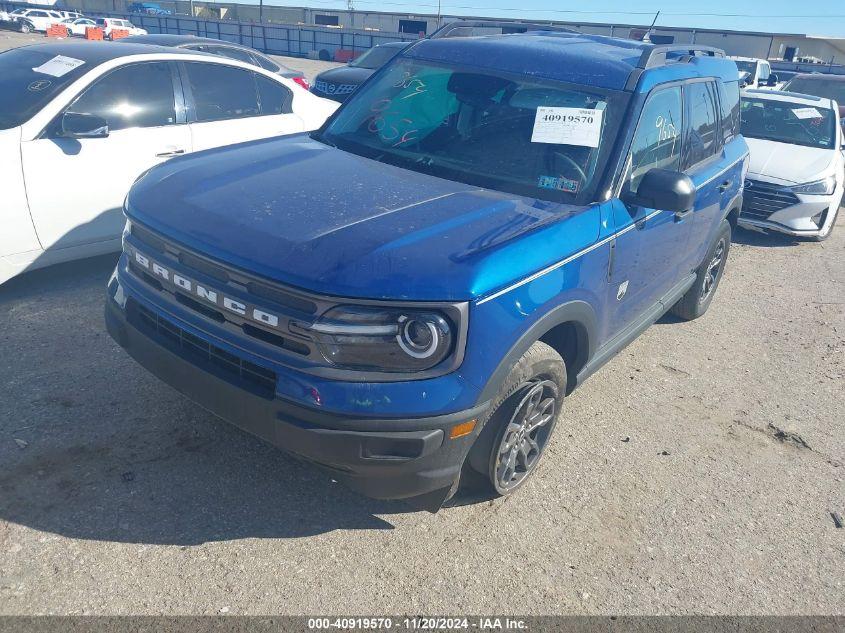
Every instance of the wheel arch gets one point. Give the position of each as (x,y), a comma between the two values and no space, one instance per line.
(571,329)
(734,208)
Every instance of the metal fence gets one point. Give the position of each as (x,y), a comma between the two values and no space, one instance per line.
(277,39)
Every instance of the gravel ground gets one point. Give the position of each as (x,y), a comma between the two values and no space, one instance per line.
(695,473)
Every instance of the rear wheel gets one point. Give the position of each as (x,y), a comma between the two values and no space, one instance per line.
(522,420)
(708,275)
(26,27)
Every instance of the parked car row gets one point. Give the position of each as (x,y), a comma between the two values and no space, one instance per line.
(30,20)
(404,288)
(39,20)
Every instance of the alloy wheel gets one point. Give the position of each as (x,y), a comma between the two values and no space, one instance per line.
(714,269)
(526,435)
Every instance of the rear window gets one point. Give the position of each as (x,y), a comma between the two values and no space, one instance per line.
(376,57)
(819,87)
(24,91)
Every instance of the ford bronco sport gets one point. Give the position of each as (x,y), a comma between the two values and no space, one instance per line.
(407,295)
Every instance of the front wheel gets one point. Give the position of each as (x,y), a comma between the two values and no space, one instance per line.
(26,28)
(522,420)
(708,275)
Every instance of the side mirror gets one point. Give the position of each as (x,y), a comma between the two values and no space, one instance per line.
(773,80)
(75,125)
(664,189)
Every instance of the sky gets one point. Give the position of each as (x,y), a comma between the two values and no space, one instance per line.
(816,17)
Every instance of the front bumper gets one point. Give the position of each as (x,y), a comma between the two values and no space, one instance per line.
(797,219)
(380,458)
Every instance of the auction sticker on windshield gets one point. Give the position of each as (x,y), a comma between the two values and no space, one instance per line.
(567,126)
(807,113)
(58,66)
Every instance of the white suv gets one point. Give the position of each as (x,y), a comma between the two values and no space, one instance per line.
(755,73)
(29,20)
(116,24)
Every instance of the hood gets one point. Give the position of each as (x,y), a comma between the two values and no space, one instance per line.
(346,75)
(787,163)
(308,215)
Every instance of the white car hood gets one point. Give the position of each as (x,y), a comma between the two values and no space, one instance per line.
(787,163)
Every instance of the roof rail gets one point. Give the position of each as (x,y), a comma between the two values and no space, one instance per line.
(466,28)
(656,55)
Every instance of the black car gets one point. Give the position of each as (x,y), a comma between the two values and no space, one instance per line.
(339,83)
(219,47)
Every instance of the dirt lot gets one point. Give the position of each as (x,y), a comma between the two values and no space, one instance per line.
(693,474)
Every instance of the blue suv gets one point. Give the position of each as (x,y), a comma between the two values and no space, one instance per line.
(406,296)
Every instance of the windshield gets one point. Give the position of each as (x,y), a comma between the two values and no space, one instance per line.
(747,67)
(375,57)
(788,122)
(25,90)
(827,89)
(522,135)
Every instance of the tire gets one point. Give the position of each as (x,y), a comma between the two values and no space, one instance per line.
(700,295)
(512,442)
(26,28)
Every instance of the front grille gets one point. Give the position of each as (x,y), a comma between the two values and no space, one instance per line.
(213,314)
(200,352)
(762,199)
(197,263)
(331,89)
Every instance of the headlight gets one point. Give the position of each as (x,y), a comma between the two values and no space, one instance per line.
(384,339)
(823,187)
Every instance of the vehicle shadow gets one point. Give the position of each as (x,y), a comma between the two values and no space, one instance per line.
(755,238)
(93,447)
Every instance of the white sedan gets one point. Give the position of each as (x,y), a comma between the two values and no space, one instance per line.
(116,24)
(29,20)
(80,122)
(78,26)
(796,170)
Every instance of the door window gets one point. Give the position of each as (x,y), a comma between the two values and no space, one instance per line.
(140,95)
(657,141)
(222,92)
(729,103)
(273,96)
(702,135)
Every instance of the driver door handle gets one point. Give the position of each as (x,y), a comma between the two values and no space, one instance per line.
(170,152)
(725,185)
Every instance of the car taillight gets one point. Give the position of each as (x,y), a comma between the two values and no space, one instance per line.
(302,82)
